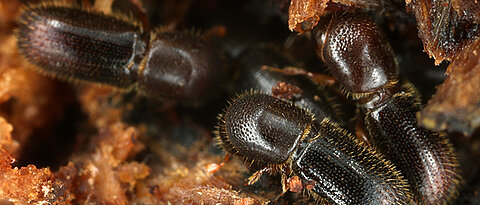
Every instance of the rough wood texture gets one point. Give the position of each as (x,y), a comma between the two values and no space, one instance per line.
(456,105)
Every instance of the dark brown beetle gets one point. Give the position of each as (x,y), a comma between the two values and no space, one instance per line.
(77,44)
(360,59)
(281,137)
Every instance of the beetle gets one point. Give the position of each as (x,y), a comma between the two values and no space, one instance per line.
(281,137)
(75,43)
(358,56)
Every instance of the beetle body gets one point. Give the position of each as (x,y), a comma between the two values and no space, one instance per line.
(425,158)
(316,99)
(77,44)
(277,134)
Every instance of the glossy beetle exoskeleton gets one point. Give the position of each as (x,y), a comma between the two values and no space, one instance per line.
(79,44)
(316,99)
(281,137)
(360,58)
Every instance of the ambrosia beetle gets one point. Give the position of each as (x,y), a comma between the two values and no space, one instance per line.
(359,57)
(281,137)
(78,44)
